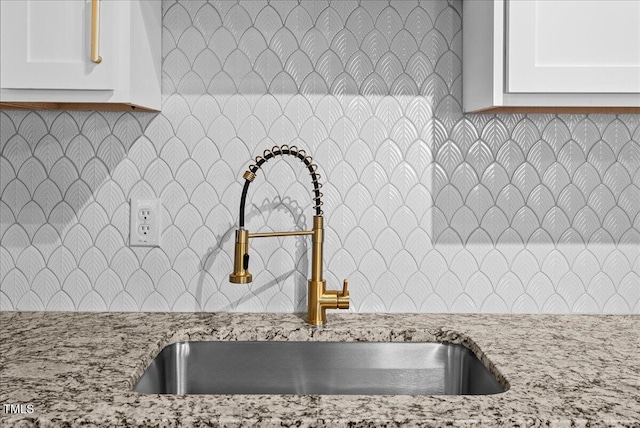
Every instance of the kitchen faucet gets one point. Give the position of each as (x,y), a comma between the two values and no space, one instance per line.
(319,299)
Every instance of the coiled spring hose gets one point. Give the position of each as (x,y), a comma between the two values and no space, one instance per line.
(281,151)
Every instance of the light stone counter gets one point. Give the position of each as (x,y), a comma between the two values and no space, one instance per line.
(77,369)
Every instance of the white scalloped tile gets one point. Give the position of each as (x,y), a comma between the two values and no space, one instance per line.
(427,209)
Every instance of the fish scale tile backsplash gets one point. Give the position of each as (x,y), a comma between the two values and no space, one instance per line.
(428,209)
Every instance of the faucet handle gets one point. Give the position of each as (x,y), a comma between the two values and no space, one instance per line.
(343,296)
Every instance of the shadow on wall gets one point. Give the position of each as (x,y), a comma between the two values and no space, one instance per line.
(257,265)
(65,184)
(314,48)
(57,169)
(390,75)
(537,179)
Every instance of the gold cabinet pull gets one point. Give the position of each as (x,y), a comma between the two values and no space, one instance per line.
(95,31)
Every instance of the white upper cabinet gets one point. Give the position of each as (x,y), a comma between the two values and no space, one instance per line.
(567,46)
(52,51)
(541,55)
(85,54)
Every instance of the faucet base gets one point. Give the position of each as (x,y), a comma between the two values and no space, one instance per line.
(321,299)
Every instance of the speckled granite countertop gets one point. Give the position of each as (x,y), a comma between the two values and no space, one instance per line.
(77,369)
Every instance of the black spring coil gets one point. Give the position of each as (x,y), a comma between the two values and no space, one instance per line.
(281,151)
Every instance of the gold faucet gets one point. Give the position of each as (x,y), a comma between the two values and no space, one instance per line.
(319,298)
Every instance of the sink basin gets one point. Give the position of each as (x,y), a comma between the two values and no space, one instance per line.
(365,368)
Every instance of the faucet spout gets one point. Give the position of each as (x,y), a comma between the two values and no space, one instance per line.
(319,298)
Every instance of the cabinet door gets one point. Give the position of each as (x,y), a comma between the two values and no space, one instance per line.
(46,44)
(573,46)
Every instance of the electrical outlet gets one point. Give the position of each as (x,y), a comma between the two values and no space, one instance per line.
(144,227)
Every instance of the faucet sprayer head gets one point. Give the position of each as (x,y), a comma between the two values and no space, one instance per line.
(240,274)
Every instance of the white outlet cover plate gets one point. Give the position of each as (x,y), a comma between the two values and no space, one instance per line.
(136,239)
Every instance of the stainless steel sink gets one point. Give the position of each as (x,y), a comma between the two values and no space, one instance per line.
(317,368)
